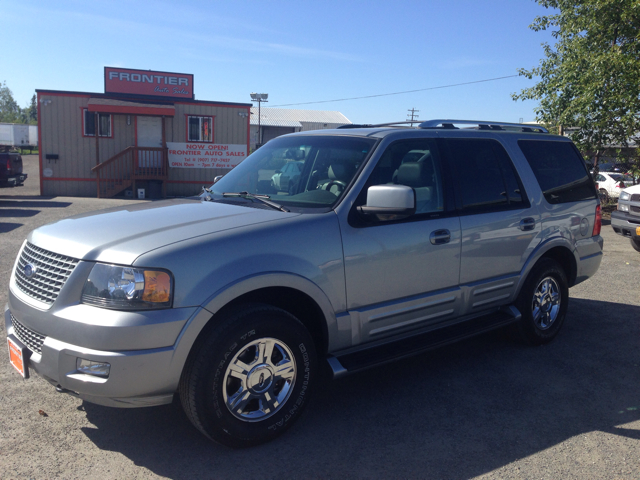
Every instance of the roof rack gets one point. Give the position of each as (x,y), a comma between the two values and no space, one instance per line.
(482,125)
(369,125)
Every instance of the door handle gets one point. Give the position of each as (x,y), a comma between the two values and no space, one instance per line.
(527,224)
(439,237)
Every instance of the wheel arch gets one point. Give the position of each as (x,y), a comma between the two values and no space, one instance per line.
(297,303)
(292,293)
(558,250)
(567,261)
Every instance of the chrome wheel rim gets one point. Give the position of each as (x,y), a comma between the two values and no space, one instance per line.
(259,379)
(545,306)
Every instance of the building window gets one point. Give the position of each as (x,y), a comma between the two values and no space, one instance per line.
(104,124)
(199,129)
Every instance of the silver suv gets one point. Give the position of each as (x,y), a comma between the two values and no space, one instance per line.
(392,241)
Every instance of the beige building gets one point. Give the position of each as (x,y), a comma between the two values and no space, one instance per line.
(115,143)
(269,123)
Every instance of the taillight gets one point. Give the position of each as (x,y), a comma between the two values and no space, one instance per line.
(9,164)
(597,224)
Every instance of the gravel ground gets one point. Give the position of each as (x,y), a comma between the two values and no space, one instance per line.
(487,407)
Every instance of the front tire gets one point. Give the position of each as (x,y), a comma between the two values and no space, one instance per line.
(543,302)
(249,377)
(635,243)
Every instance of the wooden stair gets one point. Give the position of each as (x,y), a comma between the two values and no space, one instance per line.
(130,165)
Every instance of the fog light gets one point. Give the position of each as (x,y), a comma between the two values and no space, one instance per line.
(623,208)
(89,367)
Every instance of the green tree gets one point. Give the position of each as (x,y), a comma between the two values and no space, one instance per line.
(590,79)
(9,109)
(32,115)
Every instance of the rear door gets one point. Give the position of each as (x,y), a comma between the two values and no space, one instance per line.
(499,226)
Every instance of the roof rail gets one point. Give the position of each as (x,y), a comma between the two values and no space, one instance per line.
(369,125)
(482,125)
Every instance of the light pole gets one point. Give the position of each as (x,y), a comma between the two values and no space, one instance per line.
(259,97)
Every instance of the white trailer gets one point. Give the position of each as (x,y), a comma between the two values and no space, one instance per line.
(33,135)
(14,135)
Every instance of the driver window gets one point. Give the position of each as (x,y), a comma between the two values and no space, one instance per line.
(414,163)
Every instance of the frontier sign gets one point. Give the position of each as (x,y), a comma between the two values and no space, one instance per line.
(147,82)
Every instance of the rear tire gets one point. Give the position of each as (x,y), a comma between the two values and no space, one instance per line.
(249,377)
(635,243)
(604,196)
(543,302)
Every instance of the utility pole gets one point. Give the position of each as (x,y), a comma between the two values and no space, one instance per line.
(413,115)
(259,97)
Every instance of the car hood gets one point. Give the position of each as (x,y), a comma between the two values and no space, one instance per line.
(632,190)
(120,235)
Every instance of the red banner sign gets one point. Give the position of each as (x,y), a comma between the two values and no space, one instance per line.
(205,155)
(147,82)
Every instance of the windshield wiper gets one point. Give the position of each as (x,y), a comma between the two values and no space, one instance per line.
(260,198)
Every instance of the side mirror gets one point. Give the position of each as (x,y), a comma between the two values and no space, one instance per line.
(389,202)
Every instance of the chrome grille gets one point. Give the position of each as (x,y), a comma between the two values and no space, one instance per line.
(31,339)
(635,197)
(634,209)
(52,271)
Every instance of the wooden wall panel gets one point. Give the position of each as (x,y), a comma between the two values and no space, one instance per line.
(62,134)
(228,128)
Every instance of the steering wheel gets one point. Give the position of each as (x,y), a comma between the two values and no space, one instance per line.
(339,183)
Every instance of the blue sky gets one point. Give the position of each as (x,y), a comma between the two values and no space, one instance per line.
(297,52)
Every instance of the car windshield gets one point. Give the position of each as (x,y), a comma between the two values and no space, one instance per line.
(297,171)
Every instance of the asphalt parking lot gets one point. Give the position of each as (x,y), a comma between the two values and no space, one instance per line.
(488,407)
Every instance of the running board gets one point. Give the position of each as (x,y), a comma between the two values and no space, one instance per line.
(345,364)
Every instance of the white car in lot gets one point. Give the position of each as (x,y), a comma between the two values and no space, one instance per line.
(611,184)
(625,220)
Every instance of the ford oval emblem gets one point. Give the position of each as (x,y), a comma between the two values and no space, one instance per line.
(30,270)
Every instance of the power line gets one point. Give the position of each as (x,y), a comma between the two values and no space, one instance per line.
(398,93)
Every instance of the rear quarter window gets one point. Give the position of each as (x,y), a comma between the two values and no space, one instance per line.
(559,169)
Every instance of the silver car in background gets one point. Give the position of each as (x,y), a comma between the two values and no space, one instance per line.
(394,240)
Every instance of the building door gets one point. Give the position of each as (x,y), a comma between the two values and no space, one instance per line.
(149,134)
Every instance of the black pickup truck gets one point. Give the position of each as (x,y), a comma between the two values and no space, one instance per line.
(11,170)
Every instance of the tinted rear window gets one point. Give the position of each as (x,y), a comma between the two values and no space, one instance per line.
(560,171)
(485,175)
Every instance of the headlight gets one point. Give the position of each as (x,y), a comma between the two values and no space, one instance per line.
(623,208)
(625,195)
(127,288)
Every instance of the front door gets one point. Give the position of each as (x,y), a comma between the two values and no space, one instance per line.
(403,275)
(149,134)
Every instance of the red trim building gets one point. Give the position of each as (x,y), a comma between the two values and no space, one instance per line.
(114,143)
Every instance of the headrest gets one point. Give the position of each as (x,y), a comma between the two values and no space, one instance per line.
(412,175)
(339,171)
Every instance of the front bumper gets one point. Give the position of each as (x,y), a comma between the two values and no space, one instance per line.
(625,224)
(138,377)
